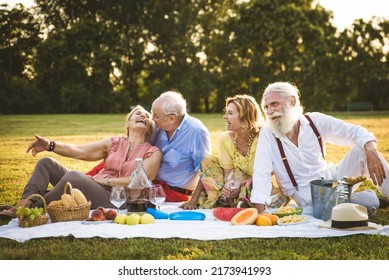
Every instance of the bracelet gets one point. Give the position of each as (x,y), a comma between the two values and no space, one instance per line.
(109,181)
(51,146)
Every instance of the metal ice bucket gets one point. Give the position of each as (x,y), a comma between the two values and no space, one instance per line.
(321,192)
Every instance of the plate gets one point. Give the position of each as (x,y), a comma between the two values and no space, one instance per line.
(299,211)
(86,222)
(305,220)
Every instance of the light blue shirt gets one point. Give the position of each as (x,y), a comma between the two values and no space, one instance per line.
(183,153)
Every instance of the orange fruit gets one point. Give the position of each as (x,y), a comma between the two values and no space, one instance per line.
(263,221)
(273,218)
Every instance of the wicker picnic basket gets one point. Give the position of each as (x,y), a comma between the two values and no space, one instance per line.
(40,220)
(64,214)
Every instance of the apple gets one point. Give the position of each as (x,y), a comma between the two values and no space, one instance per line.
(133,219)
(111,214)
(147,219)
(120,219)
(97,215)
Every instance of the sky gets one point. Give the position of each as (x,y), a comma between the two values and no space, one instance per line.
(344,11)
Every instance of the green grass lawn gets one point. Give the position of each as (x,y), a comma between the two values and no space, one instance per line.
(17,131)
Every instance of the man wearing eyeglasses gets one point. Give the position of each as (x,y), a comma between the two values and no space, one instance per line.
(183,140)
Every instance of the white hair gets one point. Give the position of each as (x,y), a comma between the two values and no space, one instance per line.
(286,89)
(284,125)
(174,103)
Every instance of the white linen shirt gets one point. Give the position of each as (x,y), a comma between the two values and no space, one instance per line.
(305,160)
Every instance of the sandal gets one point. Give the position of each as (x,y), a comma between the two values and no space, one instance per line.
(7,214)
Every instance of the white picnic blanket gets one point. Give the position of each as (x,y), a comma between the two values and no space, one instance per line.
(208,229)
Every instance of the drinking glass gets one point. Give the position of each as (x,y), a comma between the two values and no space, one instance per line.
(276,201)
(157,195)
(118,197)
(233,181)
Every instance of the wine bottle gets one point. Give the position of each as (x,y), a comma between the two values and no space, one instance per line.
(138,189)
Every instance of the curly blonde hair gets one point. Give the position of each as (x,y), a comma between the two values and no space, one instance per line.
(249,112)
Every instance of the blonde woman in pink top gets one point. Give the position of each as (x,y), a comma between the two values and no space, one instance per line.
(119,155)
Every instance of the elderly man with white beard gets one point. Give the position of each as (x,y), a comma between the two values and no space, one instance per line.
(292,146)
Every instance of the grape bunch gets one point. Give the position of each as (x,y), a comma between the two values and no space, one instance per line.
(30,214)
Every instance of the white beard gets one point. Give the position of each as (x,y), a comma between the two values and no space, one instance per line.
(284,124)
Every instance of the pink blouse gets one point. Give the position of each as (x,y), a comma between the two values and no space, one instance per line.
(116,165)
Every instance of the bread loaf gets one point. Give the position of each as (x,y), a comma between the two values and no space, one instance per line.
(79,197)
(68,201)
(55,203)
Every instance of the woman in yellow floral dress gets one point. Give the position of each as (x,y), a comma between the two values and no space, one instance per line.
(236,154)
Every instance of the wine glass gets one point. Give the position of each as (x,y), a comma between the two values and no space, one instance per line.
(157,195)
(118,197)
(275,201)
(233,182)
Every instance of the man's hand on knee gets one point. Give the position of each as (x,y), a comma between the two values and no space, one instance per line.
(374,164)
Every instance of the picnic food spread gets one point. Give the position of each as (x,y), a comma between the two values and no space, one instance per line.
(236,216)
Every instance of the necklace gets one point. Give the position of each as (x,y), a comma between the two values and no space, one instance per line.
(129,151)
(251,136)
(246,164)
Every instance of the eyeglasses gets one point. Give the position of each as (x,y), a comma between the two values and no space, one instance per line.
(156,118)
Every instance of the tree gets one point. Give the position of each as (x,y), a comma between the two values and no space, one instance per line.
(19,33)
(283,40)
(364,64)
(105,56)
(74,69)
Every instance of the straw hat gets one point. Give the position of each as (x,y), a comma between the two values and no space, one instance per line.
(349,216)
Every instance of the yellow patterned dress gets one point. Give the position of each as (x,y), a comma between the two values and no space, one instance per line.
(212,173)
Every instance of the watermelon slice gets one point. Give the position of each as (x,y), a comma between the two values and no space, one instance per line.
(225,214)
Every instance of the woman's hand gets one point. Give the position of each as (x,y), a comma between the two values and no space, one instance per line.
(100,181)
(189,205)
(39,145)
(229,192)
